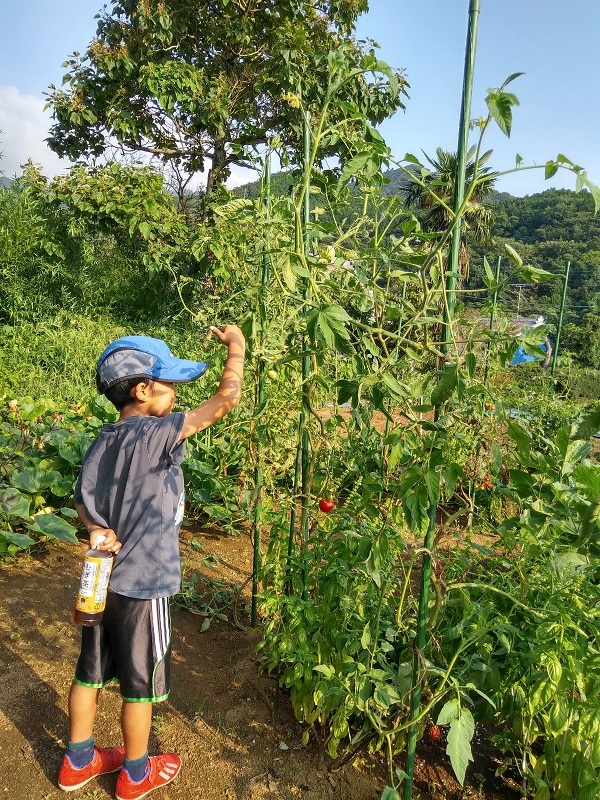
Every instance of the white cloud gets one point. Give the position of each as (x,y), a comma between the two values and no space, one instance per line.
(23,127)
(239,176)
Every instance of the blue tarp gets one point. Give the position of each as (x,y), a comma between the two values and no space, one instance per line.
(521,357)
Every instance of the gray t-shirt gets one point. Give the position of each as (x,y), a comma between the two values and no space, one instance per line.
(131,481)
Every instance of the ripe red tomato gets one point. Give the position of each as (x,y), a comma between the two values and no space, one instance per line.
(326,505)
(434,732)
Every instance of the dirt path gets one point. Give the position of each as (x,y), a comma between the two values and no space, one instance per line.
(217,717)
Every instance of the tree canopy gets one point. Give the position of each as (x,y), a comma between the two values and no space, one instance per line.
(198,81)
(431,194)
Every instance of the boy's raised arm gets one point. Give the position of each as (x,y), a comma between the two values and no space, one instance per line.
(229,392)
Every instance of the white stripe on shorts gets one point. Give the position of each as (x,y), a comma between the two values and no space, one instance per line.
(160,626)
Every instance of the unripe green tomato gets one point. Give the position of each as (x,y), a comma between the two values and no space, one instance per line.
(328,253)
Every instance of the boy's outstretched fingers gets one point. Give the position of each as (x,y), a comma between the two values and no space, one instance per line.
(228,334)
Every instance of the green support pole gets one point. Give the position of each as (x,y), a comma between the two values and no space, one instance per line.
(492,320)
(423,612)
(459,183)
(560,317)
(261,392)
(301,469)
(305,461)
(290,547)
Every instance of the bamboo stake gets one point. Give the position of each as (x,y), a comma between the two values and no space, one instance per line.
(305,460)
(301,469)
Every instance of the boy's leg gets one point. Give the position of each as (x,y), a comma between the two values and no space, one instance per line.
(145,674)
(83,761)
(136,719)
(83,702)
(141,773)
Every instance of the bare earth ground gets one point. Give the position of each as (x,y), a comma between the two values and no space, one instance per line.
(217,718)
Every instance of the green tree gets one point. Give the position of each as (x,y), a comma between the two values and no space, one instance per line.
(88,242)
(583,340)
(197,81)
(431,194)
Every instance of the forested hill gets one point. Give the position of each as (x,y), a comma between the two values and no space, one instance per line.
(547,230)
(553,215)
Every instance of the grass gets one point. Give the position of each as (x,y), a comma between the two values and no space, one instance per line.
(158,722)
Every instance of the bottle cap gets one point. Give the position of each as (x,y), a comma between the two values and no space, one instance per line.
(99,539)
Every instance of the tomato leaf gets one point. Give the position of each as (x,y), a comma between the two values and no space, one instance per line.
(449,712)
(500,105)
(459,743)
(447,383)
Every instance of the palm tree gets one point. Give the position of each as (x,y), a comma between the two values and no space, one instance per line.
(432,194)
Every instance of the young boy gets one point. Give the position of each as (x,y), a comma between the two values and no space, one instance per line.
(131,489)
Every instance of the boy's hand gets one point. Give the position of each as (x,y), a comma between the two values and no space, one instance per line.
(229,334)
(110,540)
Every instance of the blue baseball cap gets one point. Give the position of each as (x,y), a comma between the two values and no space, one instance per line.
(143,357)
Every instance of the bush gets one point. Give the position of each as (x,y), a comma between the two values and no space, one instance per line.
(579,384)
(530,377)
(583,340)
(53,262)
(54,358)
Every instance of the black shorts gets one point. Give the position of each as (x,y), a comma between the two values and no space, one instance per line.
(132,645)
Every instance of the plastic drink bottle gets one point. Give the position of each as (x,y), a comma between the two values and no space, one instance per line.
(93,587)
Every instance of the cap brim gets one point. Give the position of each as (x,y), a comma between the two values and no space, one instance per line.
(179,371)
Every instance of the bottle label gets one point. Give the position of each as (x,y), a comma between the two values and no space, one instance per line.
(93,587)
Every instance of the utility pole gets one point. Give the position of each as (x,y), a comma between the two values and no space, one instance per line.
(560,317)
(520,287)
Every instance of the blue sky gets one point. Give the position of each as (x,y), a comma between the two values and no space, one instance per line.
(554,43)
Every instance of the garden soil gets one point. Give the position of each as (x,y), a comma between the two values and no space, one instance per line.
(219,717)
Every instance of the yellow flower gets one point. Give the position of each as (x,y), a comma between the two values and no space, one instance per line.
(291,98)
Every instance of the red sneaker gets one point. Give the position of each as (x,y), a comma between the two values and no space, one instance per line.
(162,770)
(104,760)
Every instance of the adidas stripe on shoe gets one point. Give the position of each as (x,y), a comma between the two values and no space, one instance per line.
(161,770)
